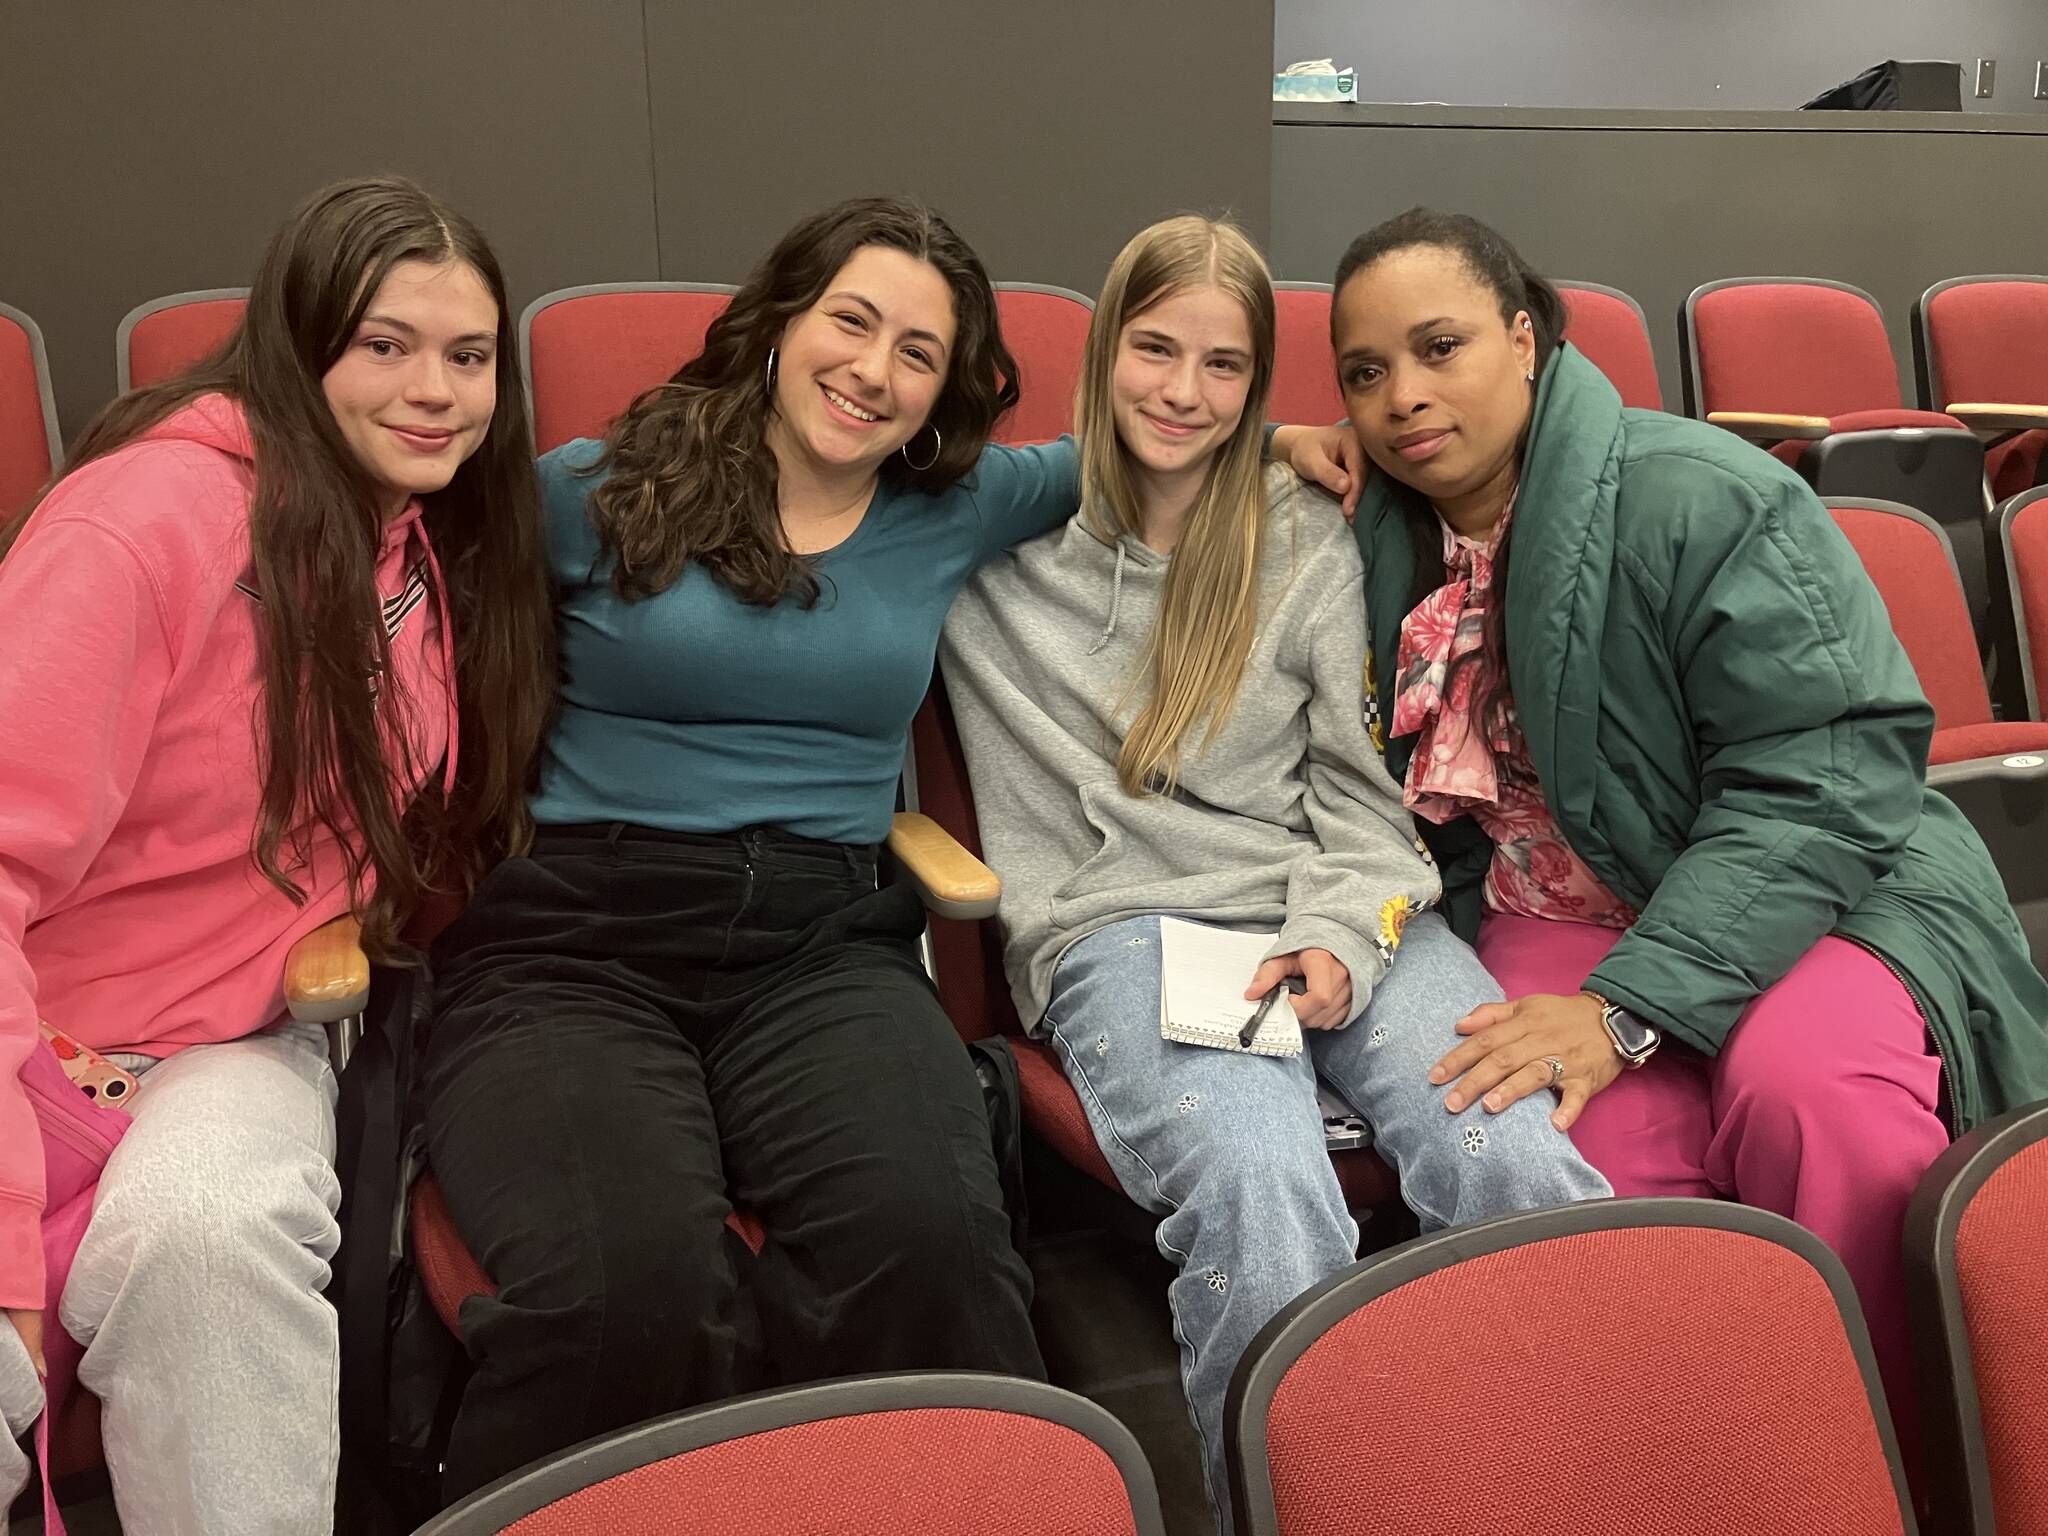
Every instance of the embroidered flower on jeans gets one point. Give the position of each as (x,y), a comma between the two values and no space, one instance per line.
(1377,1038)
(1102,1045)
(1188,1101)
(1474,1140)
(1217,1281)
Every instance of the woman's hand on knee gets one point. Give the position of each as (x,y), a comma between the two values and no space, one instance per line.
(1509,1048)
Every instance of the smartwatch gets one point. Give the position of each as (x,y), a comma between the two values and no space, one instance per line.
(1634,1041)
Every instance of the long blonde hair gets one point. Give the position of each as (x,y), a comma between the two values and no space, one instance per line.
(1209,610)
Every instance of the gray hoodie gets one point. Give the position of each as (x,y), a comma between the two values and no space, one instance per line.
(1289,819)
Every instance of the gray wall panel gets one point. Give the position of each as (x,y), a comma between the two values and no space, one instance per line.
(1047,133)
(1659,211)
(1655,53)
(153,148)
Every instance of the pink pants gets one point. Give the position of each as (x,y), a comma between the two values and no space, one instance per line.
(1820,1106)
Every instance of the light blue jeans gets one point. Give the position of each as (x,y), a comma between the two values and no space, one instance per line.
(1227,1148)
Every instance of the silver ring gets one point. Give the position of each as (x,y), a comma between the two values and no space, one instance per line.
(1556,1066)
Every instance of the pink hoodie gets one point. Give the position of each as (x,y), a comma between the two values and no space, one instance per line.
(132,914)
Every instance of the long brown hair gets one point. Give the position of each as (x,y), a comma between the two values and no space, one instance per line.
(691,475)
(315,528)
(1209,608)
(1517,289)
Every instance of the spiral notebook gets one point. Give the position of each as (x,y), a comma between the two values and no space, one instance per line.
(1203,972)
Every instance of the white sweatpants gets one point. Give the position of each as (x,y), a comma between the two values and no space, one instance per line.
(196,1294)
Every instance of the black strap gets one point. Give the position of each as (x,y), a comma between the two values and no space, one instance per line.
(372,1122)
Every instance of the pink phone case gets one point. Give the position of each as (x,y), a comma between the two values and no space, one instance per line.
(98,1078)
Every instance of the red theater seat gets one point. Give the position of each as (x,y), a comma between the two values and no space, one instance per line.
(1305,390)
(590,351)
(161,339)
(29,446)
(1913,566)
(1046,330)
(1800,346)
(924,1454)
(1684,1367)
(1609,327)
(1980,347)
(2023,529)
(1978,1291)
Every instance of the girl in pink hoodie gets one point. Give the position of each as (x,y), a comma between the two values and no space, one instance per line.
(239,641)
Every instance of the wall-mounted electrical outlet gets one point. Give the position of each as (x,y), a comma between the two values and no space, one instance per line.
(1987,70)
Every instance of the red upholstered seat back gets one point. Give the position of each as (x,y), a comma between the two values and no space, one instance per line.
(1792,346)
(1909,562)
(1987,342)
(1305,388)
(590,352)
(2027,542)
(1608,327)
(969,955)
(2004,1289)
(26,427)
(899,1472)
(165,342)
(1046,330)
(1679,1379)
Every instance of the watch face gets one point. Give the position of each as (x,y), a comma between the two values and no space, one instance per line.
(1631,1034)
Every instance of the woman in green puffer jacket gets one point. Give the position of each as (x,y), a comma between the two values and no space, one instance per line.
(1653,718)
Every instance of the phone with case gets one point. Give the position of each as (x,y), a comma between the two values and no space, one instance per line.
(98,1078)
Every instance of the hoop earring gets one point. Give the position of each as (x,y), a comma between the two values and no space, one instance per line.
(771,374)
(938,447)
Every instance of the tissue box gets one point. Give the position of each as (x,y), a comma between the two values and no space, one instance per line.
(1342,86)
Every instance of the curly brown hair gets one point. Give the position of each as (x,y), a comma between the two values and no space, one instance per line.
(688,472)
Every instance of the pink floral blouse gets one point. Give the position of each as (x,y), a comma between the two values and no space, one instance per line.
(1456,770)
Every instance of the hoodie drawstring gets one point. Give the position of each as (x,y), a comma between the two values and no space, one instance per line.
(453,706)
(1116,597)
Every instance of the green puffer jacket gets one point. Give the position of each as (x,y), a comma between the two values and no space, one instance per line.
(1728,733)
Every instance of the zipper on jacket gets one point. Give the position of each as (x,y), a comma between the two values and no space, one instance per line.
(1948,1081)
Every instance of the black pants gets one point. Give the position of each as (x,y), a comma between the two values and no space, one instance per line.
(634,1029)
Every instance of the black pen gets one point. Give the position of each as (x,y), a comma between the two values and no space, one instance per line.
(1251,1025)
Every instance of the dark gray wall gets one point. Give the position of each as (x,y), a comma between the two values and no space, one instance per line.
(1659,210)
(152,149)
(1048,132)
(1727,54)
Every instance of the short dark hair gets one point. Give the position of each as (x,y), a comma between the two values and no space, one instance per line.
(1485,252)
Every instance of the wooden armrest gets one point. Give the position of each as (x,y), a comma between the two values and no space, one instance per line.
(1771,426)
(327,975)
(952,881)
(1993,418)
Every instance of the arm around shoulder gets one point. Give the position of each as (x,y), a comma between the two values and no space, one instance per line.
(1020,493)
